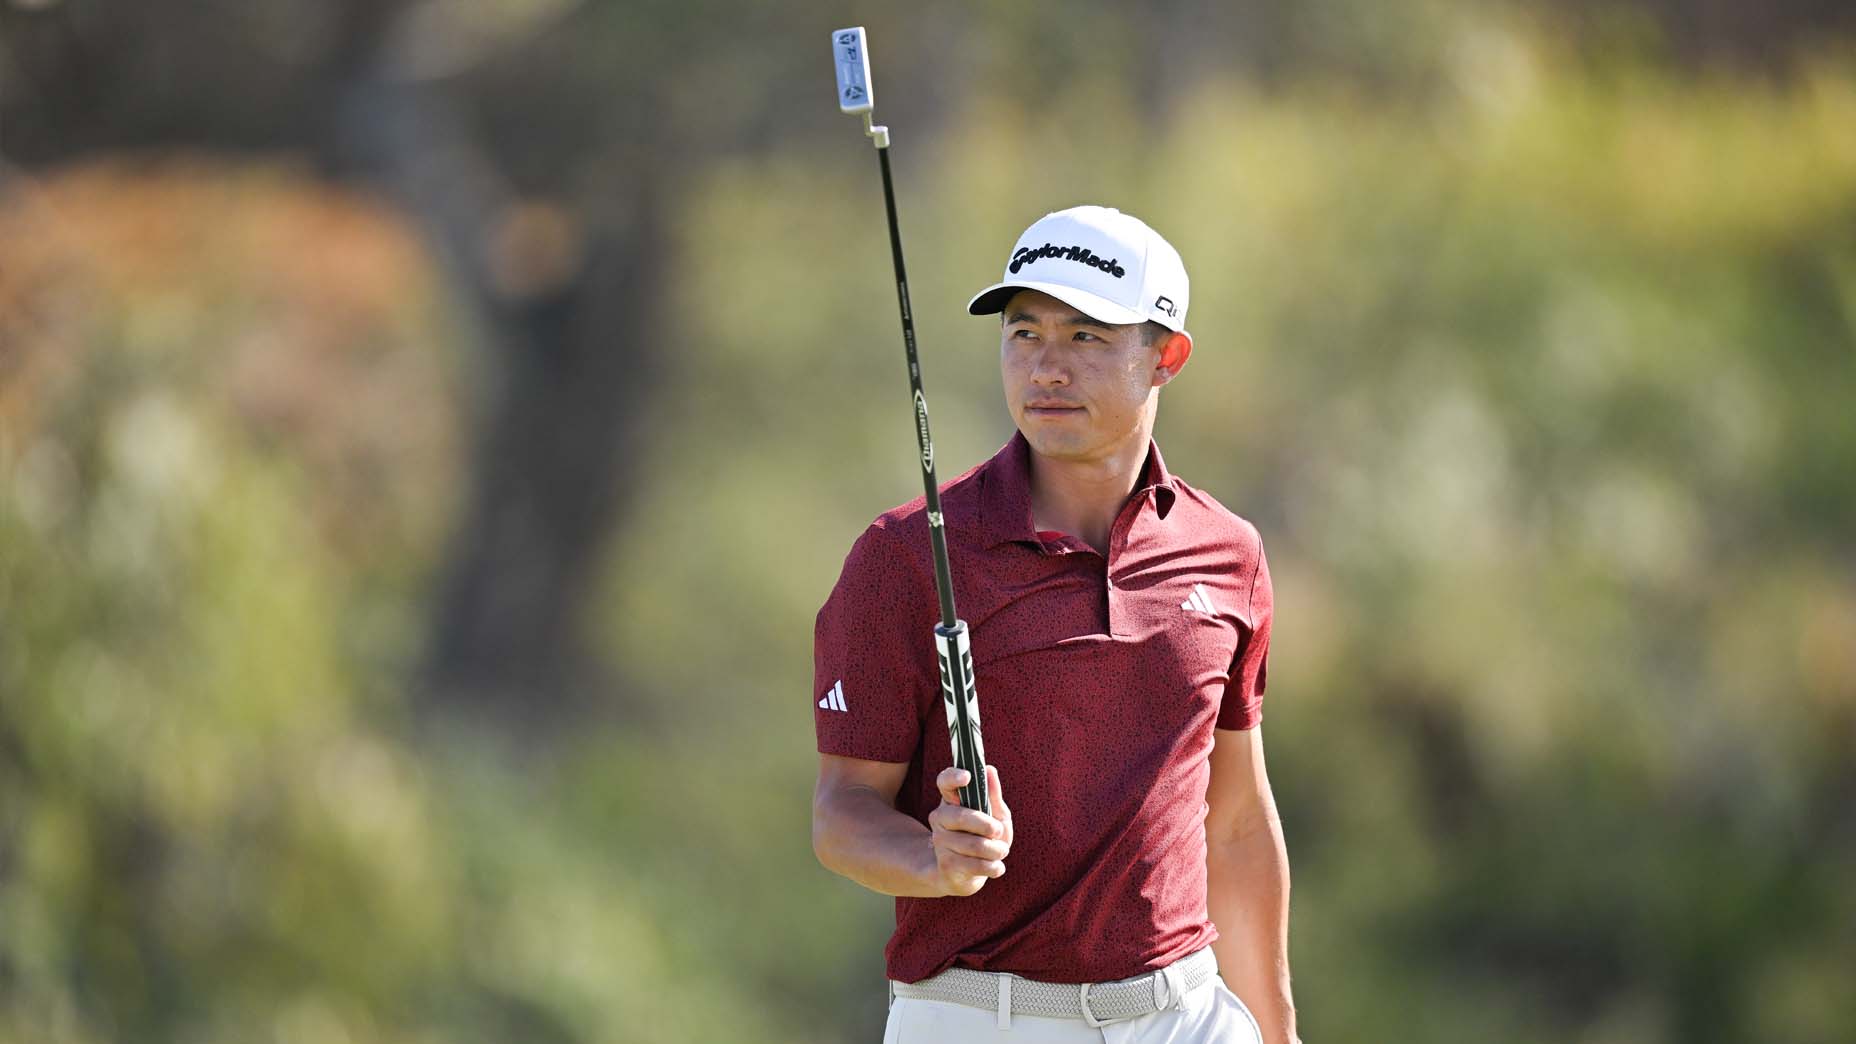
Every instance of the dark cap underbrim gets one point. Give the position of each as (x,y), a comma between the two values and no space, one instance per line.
(994,298)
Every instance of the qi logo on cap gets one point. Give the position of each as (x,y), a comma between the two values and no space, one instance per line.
(1031,256)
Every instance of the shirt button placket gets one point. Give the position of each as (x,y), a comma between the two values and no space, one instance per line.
(1118,622)
(1114,610)
(1114,596)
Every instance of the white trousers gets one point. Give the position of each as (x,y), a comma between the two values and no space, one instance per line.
(1211,1014)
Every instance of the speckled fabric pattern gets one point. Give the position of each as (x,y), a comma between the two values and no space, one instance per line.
(1100,682)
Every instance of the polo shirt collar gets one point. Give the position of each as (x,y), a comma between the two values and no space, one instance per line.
(1005,501)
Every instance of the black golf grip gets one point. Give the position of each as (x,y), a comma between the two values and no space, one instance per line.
(962,702)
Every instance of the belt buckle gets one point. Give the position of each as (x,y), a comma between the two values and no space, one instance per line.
(1090,1016)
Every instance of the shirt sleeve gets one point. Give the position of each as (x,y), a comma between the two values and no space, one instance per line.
(873,654)
(1242,707)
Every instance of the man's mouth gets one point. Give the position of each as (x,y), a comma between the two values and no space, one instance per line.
(1051,407)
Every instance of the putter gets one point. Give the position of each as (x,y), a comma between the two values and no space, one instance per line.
(958,696)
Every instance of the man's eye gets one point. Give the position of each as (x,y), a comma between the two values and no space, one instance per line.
(1024,334)
(1083,335)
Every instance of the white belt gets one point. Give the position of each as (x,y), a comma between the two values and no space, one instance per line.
(1096,1003)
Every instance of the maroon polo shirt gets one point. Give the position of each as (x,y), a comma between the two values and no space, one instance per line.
(1100,682)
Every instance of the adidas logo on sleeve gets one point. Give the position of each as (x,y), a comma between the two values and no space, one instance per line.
(834,698)
(1200,601)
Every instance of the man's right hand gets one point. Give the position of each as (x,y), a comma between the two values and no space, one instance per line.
(969,847)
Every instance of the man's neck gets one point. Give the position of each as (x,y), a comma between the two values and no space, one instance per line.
(1083,497)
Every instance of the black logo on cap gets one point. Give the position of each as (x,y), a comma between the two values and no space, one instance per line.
(1032,255)
(1165,304)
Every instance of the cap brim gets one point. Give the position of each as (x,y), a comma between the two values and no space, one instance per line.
(994,298)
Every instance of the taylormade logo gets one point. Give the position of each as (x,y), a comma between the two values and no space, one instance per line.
(1032,255)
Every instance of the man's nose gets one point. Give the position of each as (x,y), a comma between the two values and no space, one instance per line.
(1048,367)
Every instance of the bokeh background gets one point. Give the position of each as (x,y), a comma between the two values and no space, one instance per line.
(427,430)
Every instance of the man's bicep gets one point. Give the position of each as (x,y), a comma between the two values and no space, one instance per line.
(837,773)
(1238,797)
(1241,707)
(873,660)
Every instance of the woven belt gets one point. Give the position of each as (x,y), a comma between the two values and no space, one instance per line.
(1097,1003)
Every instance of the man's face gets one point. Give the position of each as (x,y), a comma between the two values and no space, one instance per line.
(1079,389)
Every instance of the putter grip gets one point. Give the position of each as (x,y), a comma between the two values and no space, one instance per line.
(962,703)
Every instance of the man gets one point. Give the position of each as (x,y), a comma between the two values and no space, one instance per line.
(1120,628)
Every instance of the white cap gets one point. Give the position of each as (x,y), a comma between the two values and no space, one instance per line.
(1108,265)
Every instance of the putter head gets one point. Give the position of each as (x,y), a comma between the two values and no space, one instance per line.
(853,61)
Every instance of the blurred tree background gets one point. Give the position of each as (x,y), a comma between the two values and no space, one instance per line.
(427,428)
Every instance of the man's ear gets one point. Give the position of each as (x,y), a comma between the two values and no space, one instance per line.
(1174,351)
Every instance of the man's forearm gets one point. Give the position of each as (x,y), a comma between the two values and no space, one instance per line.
(859,835)
(1247,891)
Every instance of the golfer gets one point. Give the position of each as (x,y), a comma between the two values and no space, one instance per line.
(1132,885)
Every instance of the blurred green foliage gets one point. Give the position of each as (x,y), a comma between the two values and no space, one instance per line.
(1539,390)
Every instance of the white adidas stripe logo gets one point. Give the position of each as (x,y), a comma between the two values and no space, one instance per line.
(1200,601)
(834,698)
